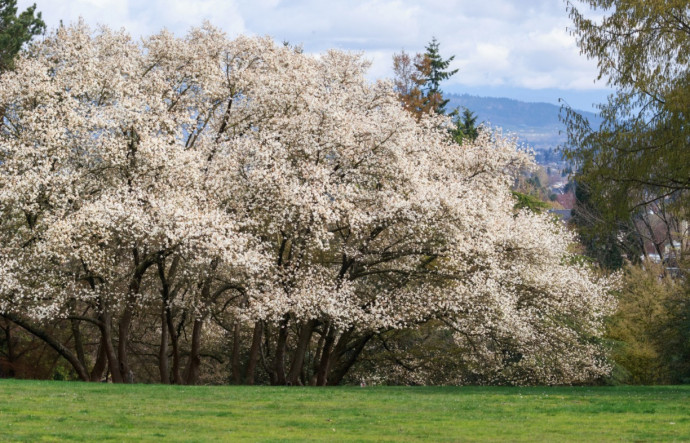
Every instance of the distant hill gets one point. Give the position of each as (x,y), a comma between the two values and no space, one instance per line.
(536,124)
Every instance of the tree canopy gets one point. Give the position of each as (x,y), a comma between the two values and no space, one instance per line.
(418,79)
(636,165)
(465,125)
(639,153)
(438,72)
(179,194)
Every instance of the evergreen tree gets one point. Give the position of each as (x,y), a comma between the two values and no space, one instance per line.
(465,125)
(438,72)
(418,79)
(15,30)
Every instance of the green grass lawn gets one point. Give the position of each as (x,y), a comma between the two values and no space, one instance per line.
(36,411)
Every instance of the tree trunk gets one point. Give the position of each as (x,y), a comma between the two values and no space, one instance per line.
(321,361)
(167,324)
(302,346)
(336,376)
(123,342)
(235,364)
(254,353)
(177,378)
(78,342)
(163,368)
(107,339)
(53,343)
(191,376)
(265,354)
(279,359)
(125,322)
(101,363)
(334,355)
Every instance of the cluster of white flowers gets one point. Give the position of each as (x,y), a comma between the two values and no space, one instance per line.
(181,172)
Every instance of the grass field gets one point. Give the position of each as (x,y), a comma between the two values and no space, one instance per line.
(54,411)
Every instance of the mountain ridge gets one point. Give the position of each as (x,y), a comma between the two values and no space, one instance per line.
(535,123)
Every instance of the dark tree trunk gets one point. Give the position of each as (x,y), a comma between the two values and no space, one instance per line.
(167,327)
(107,340)
(101,363)
(53,343)
(123,342)
(191,376)
(254,352)
(125,322)
(319,346)
(298,357)
(339,347)
(235,363)
(322,374)
(163,368)
(265,353)
(177,378)
(78,342)
(344,365)
(279,359)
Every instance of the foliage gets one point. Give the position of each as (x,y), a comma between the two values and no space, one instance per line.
(35,411)
(634,166)
(527,201)
(15,30)
(651,327)
(639,153)
(611,243)
(418,79)
(410,76)
(438,72)
(465,126)
(530,189)
(201,201)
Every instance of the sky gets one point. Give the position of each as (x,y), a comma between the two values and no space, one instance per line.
(518,49)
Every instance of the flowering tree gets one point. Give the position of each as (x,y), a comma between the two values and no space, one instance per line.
(278,199)
(103,182)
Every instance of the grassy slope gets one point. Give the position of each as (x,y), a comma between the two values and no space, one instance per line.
(35,411)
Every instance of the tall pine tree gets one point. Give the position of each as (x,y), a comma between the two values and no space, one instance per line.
(438,72)
(15,30)
(418,79)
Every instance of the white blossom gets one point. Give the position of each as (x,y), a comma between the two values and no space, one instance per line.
(286,176)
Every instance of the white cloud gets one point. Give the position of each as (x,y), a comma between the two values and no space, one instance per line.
(507,43)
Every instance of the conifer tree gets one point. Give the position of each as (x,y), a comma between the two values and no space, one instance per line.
(438,72)
(15,30)
(418,79)
(465,125)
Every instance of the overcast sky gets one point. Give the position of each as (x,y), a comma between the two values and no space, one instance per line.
(510,48)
